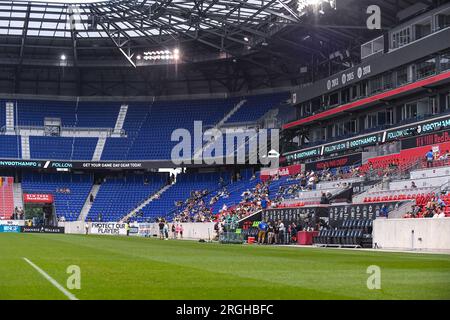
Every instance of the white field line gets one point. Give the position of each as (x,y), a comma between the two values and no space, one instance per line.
(69,295)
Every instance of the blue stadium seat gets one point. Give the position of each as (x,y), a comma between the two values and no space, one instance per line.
(68,205)
(119,196)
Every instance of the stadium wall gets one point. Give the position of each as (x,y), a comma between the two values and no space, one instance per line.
(73,227)
(426,234)
(191,230)
(198,230)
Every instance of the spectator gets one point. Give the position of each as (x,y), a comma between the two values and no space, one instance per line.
(441,203)
(293,232)
(270,233)
(127,228)
(161,229)
(324,199)
(282,230)
(174,231)
(181,231)
(166,230)
(276,232)
(415,210)
(262,227)
(429,156)
(444,156)
(384,212)
(264,203)
(386,181)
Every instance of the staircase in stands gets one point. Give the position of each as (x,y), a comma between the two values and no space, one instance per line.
(88,204)
(146,202)
(218,125)
(18,195)
(10,119)
(99,148)
(120,119)
(25,143)
(6,198)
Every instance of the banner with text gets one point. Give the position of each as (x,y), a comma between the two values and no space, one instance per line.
(37,198)
(285,171)
(108,228)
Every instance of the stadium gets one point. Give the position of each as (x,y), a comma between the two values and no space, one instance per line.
(225,150)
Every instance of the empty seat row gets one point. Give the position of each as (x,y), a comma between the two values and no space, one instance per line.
(340,237)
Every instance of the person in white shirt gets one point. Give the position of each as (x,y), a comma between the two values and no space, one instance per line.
(281,230)
(86,227)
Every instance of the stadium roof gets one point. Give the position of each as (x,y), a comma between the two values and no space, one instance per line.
(236,44)
(136,18)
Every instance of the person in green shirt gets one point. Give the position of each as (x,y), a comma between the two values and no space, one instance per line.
(127,228)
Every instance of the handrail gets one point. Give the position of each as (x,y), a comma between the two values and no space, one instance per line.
(109,131)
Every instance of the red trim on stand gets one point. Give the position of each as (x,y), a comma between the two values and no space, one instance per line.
(359,103)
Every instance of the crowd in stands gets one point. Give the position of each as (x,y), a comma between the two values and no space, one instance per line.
(194,208)
(258,194)
(209,197)
(430,206)
(407,160)
(63,190)
(261,196)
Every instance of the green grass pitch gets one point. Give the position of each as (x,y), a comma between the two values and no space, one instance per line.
(139,268)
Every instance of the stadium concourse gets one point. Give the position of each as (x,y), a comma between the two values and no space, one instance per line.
(307,133)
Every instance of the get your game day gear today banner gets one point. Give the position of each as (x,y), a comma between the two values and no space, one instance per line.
(108,228)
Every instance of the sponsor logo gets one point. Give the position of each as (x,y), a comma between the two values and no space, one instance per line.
(38,198)
(360,72)
(426,140)
(43,229)
(29,164)
(303,154)
(9,229)
(11,222)
(284,171)
(348,77)
(361,142)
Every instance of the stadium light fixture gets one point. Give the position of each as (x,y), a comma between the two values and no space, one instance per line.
(176,54)
(303,5)
(161,55)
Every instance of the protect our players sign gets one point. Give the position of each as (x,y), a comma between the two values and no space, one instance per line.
(108,228)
